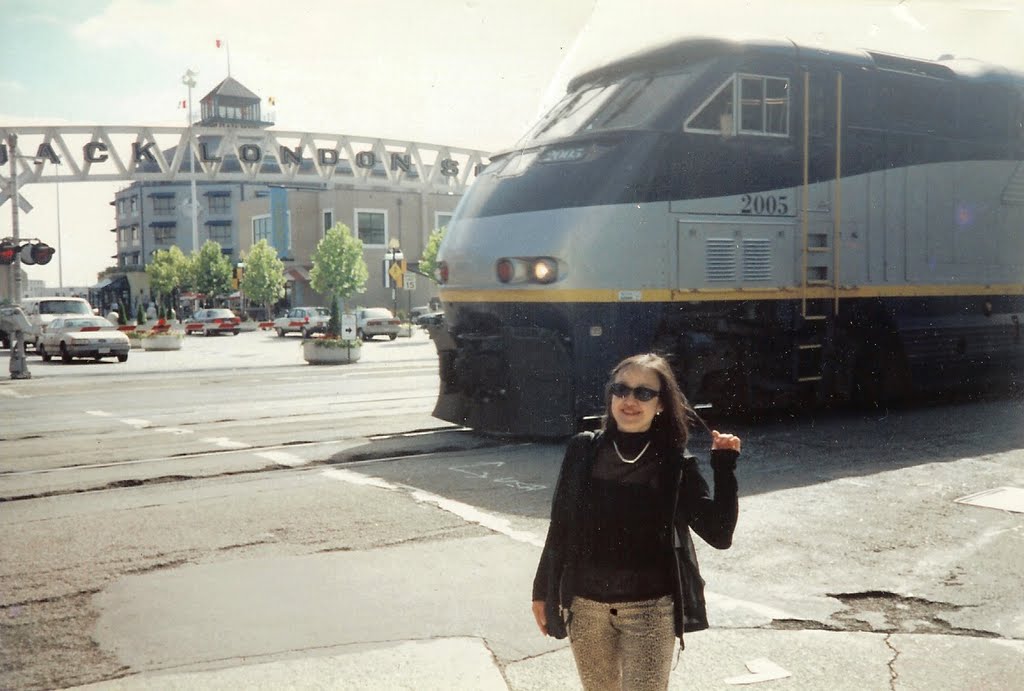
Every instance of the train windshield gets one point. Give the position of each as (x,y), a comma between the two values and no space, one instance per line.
(635,101)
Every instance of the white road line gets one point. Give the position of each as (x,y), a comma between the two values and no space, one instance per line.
(137,423)
(13,394)
(173,430)
(463,511)
(354,478)
(224,442)
(475,515)
(98,413)
(721,601)
(283,458)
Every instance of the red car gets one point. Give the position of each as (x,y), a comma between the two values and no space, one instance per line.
(213,321)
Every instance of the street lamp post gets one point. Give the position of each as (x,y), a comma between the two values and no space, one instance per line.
(60,255)
(189,80)
(393,247)
(12,145)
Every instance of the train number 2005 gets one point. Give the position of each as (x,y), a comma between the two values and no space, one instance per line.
(764,204)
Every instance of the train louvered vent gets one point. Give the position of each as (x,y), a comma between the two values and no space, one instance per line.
(721,259)
(1013,193)
(757,259)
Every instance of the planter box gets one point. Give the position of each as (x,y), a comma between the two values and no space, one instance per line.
(162,342)
(318,355)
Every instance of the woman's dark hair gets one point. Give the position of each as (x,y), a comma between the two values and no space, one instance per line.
(670,428)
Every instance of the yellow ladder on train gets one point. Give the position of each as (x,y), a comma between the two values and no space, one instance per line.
(820,258)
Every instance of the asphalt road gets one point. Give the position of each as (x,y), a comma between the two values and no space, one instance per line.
(229,516)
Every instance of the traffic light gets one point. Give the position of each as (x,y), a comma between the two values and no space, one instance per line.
(42,253)
(8,251)
(30,252)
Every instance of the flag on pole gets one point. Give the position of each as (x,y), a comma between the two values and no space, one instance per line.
(218,43)
(182,104)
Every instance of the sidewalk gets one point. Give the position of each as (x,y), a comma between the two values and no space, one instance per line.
(815,660)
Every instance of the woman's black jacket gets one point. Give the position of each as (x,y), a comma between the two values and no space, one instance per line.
(712,517)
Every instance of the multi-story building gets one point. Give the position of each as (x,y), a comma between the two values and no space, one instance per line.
(153,216)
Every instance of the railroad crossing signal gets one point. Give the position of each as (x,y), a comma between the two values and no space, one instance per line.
(33,252)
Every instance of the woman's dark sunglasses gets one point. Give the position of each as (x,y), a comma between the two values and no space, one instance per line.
(640,393)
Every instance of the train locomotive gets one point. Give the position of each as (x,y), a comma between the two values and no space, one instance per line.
(790,225)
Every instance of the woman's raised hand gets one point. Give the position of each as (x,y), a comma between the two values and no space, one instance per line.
(724,441)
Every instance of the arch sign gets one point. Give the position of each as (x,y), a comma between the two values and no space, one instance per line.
(98,153)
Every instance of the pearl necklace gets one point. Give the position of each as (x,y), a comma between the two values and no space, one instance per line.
(630,460)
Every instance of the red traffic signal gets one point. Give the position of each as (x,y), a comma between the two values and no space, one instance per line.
(8,251)
(30,253)
(41,253)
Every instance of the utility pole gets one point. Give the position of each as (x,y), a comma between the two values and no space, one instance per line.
(12,145)
(189,80)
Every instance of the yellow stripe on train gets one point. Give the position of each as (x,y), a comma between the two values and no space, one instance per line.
(452,295)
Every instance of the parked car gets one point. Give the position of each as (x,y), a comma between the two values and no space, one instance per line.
(41,311)
(304,320)
(213,321)
(376,321)
(416,312)
(430,319)
(84,337)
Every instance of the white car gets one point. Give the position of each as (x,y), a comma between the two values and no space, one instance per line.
(84,337)
(303,320)
(213,321)
(40,312)
(376,321)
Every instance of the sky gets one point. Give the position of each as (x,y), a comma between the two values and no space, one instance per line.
(465,73)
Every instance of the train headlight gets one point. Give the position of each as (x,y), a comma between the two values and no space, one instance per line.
(505,269)
(526,270)
(544,270)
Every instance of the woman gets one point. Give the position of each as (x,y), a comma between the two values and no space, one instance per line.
(618,573)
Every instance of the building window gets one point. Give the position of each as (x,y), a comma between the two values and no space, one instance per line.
(328,220)
(372,226)
(163,205)
(442,219)
(221,234)
(165,235)
(219,204)
(262,229)
(135,234)
(133,204)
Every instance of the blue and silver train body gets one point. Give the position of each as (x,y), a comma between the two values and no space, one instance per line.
(790,225)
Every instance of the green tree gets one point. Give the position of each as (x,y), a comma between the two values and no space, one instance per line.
(212,271)
(339,269)
(263,279)
(334,323)
(428,262)
(166,272)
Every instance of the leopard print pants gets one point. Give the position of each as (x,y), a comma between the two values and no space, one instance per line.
(622,646)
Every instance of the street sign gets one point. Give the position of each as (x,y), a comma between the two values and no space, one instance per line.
(396,274)
(409,282)
(348,326)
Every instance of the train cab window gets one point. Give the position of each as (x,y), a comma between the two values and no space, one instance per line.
(570,114)
(640,101)
(763,108)
(764,105)
(715,115)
